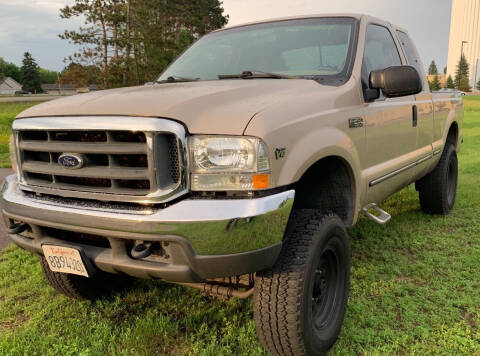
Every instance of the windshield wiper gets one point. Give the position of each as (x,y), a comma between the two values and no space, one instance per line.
(252,74)
(177,79)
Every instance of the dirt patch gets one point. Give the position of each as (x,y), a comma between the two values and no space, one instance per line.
(4,239)
(410,255)
(20,318)
(468,318)
(405,279)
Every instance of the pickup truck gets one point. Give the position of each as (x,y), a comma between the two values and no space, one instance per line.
(238,171)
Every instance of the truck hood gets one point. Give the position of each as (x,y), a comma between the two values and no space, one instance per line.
(214,107)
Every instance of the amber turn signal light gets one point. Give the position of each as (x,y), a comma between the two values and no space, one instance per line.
(261,181)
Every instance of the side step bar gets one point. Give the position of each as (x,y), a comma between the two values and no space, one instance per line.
(382,218)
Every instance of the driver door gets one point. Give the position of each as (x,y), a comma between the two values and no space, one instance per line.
(391,132)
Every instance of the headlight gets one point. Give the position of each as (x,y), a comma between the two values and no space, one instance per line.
(228,163)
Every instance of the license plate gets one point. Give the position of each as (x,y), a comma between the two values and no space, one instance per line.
(64,260)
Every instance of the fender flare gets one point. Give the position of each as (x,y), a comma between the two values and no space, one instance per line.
(310,150)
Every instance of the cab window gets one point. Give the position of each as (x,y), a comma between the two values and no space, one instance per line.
(410,51)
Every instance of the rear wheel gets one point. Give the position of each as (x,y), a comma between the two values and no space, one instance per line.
(99,285)
(299,304)
(437,191)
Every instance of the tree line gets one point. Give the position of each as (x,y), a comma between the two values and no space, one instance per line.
(461,80)
(122,42)
(29,75)
(130,42)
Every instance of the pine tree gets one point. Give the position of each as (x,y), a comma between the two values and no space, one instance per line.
(133,41)
(464,85)
(463,70)
(445,70)
(97,35)
(478,85)
(450,83)
(433,70)
(435,84)
(30,74)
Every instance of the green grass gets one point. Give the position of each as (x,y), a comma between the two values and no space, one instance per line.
(8,111)
(415,290)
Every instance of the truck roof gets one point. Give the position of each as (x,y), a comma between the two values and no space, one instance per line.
(353,15)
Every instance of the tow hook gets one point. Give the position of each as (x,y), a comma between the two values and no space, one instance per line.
(17,228)
(141,250)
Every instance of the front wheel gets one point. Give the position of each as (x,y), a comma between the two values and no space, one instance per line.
(299,304)
(101,284)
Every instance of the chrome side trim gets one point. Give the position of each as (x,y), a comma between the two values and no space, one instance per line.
(149,125)
(437,152)
(401,170)
(424,159)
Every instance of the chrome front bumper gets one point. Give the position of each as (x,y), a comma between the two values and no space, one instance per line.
(204,238)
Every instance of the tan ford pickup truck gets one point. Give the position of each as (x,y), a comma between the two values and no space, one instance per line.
(238,171)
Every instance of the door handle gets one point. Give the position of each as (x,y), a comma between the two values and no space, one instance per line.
(415,116)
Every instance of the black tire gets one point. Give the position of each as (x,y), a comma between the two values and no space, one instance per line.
(292,315)
(438,189)
(101,284)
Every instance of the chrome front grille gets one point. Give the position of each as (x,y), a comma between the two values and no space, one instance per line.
(132,164)
(111,165)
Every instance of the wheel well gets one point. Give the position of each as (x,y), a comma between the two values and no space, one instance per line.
(452,136)
(328,185)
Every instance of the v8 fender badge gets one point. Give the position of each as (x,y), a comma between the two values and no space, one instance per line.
(280,153)
(355,122)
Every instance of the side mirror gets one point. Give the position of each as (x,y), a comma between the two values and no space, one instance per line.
(396,81)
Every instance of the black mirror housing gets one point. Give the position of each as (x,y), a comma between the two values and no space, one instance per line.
(396,81)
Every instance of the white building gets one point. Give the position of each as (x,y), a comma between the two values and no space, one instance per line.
(9,86)
(465,28)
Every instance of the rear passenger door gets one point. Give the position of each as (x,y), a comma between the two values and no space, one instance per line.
(391,134)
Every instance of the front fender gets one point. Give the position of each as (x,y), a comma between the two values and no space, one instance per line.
(309,149)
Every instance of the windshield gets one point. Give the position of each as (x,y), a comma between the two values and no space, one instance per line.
(319,47)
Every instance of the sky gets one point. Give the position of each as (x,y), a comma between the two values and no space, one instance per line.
(34,25)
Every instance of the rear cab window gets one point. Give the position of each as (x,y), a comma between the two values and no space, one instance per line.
(410,52)
(412,56)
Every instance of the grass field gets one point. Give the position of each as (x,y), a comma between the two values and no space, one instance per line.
(415,290)
(8,111)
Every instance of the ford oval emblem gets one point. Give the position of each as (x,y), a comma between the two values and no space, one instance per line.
(71,160)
